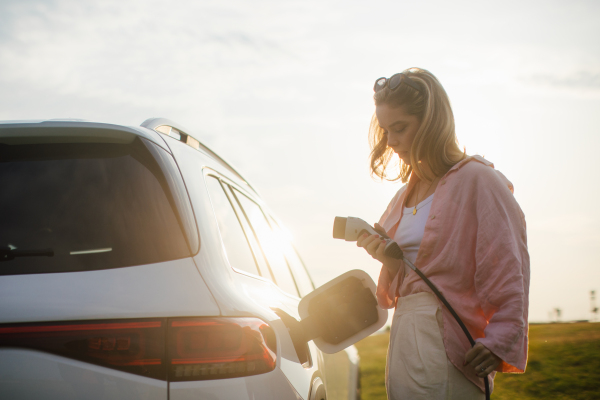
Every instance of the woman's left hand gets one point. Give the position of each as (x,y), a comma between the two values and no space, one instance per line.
(482,360)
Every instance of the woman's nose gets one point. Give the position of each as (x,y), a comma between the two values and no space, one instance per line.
(391,140)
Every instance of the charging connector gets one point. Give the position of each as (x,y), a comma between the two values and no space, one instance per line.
(351,228)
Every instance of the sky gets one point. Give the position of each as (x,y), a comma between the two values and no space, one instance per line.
(283,91)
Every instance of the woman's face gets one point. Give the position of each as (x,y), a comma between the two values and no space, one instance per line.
(399,127)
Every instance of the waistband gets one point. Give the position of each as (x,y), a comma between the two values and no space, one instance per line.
(417,300)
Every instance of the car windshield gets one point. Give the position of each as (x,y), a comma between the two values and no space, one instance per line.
(93,205)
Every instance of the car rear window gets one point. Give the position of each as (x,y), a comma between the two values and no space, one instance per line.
(94,205)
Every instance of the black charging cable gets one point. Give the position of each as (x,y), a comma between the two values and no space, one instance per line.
(396,252)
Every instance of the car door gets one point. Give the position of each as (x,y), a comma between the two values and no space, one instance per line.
(349,298)
(340,369)
(260,271)
(345,308)
(277,261)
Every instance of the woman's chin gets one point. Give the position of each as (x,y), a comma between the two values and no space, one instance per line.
(404,156)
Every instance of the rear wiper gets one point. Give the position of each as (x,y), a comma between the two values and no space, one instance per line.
(7,253)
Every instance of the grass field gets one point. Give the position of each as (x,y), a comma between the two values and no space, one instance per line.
(564,363)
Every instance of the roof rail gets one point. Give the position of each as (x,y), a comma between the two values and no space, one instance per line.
(178,132)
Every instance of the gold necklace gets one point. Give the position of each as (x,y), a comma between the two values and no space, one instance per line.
(417,196)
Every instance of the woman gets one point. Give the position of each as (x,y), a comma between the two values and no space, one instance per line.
(459,223)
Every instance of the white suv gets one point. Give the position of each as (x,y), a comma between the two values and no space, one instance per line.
(136,264)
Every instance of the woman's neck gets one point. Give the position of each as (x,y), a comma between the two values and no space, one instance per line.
(426,176)
(423,188)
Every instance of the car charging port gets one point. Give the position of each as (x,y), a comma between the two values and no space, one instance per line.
(335,315)
(298,331)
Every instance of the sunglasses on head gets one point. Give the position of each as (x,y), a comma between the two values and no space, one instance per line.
(393,82)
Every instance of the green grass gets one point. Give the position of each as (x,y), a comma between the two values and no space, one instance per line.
(564,363)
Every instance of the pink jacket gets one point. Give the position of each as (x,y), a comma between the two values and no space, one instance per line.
(474,250)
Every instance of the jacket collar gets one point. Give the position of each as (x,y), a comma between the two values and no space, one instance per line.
(414,179)
(464,162)
(392,220)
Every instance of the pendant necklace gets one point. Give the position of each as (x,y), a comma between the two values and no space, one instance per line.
(417,196)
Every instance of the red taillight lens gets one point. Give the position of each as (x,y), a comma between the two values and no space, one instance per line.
(131,346)
(197,348)
(219,348)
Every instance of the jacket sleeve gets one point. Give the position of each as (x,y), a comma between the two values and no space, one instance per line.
(386,288)
(502,270)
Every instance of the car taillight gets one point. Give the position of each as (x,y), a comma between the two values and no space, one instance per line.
(219,348)
(179,349)
(132,346)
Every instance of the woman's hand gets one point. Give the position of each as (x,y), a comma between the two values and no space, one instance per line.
(482,360)
(375,246)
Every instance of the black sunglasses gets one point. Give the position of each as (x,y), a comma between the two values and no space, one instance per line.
(393,82)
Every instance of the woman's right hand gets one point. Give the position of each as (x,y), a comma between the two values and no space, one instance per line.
(375,246)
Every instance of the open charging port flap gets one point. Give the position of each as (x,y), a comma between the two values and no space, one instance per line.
(337,314)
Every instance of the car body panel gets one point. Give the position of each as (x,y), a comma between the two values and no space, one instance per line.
(29,374)
(342,373)
(270,386)
(172,288)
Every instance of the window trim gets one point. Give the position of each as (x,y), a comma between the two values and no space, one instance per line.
(209,172)
(239,203)
(293,247)
(267,215)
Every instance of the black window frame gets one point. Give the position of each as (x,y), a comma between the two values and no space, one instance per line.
(223,181)
(265,215)
(226,182)
(211,175)
(270,218)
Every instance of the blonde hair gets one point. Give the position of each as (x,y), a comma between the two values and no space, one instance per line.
(435,141)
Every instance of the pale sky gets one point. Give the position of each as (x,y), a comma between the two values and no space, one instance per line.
(283,91)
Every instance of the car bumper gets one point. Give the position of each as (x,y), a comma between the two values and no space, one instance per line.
(30,374)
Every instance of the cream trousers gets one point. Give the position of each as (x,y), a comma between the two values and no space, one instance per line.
(417,366)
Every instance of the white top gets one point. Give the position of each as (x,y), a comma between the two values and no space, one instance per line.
(410,231)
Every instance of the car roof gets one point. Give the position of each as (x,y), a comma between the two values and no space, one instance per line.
(151,129)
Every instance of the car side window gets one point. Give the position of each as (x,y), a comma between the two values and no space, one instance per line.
(235,241)
(270,243)
(305,283)
(303,280)
(259,255)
